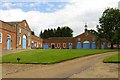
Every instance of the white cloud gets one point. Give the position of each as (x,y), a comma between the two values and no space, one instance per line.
(75,14)
(8,5)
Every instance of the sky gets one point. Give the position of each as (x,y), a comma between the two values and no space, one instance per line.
(44,14)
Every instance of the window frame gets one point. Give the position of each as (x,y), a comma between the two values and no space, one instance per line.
(20,40)
(58,45)
(20,30)
(79,39)
(64,45)
(1,37)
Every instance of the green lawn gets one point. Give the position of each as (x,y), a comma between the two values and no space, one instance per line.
(0,59)
(49,56)
(112,59)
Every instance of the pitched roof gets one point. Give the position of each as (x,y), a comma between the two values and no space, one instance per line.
(14,23)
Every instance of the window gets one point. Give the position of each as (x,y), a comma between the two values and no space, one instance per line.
(58,45)
(70,43)
(28,41)
(37,44)
(64,45)
(25,24)
(78,39)
(93,39)
(19,40)
(20,30)
(28,33)
(0,37)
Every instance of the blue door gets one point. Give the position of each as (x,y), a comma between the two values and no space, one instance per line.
(86,45)
(102,46)
(8,43)
(45,46)
(79,45)
(70,45)
(93,45)
(24,43)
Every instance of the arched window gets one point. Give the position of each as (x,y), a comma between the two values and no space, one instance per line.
(64,45)
(58,45)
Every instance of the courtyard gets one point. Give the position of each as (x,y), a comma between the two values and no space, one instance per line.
(84,67)
(84,63)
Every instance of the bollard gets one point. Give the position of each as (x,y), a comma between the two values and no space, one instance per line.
(18,59)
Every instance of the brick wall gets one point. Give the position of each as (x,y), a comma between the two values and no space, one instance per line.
(74,40)
(59,40)
(5,34)
(37,41)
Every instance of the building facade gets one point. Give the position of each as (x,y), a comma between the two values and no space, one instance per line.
(17,35)
(83,41)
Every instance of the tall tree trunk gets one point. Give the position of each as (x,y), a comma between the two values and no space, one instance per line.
(111,45)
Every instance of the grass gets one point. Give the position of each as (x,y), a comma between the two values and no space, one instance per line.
(0,59)
(50,56)
(112,59)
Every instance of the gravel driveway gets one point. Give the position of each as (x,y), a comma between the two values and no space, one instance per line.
(84,67)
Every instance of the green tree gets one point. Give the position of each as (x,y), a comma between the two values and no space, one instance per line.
(98,35)
(110,26)
(59,32)
(41,34)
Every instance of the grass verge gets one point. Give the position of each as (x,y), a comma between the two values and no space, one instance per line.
(50,56)
(112,59)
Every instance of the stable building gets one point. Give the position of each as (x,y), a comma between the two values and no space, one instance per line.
(85,40)
(17,35)
(58,43)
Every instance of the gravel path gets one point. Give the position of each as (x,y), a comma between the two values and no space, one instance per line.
(84,67)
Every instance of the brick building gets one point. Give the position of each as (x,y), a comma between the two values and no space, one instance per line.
(58,42)
(17,35)
(85,40)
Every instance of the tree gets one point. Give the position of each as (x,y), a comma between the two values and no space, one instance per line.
(41,34)
(110,26)
(59,32)
(98,36)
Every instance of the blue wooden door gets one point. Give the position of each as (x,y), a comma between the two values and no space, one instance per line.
(93,45)
(70,46)
(45,46)
(8,43)
(24,43)
(102,46)
(79,45)
(86,45)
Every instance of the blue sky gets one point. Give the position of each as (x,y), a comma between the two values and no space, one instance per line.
(34,6)
(44,14)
